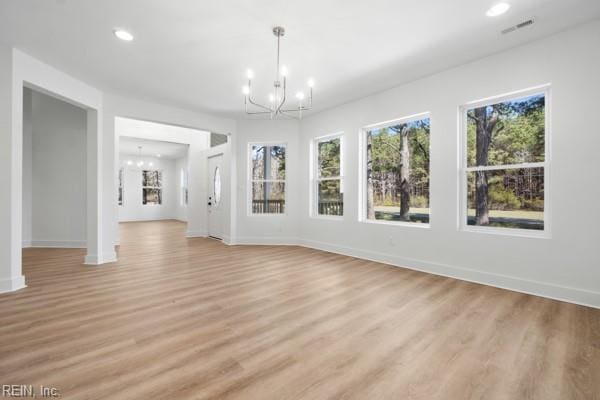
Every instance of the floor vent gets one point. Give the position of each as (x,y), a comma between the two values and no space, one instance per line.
(520,25)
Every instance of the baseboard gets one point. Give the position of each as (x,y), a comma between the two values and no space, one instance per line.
(65,244)
(265,241)
(95,259)
(25,244)
(542,289)
(194,234)
(12,284)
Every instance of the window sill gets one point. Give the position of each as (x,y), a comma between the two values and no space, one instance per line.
(279,215)
(534,234)
(337,218)
(419,225)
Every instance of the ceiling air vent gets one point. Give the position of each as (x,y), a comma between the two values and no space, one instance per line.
(520,25)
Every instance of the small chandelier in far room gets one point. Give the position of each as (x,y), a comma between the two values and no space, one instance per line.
(140,163)
(278,98)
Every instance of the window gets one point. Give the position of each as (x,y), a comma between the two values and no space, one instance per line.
(267,179)
(183,178)
(217,186)
(396,180)
(151,187)
(121,177)
(505,162)
(328,186)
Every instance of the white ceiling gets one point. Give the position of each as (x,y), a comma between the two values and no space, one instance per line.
(194,54)
(151,148)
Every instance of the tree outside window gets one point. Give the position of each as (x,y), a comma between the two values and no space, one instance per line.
(397,171)
(506,163)
(267,179)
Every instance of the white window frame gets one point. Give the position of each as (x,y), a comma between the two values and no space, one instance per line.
(121,186)
(464,168)
(250,181)
(362,183)
(161,188)
(183,192)
(314,175)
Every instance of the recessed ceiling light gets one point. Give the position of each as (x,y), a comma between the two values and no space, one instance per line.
(158,155)
(123,35)
(497,9)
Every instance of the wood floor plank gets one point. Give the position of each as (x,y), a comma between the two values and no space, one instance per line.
(180,318)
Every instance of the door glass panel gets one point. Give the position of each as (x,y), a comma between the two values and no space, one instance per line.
(217,186)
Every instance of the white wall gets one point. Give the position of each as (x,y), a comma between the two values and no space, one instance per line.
(268,228)
(54,172)
(566,266)
(133,209)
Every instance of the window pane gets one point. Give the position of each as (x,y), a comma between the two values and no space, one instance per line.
(329,158)
(330,198)
(511,132)
(151,196)
(152,178)
(121,173)
(398,172)
(217,186)
(268,162)
(508,198)
(268,197)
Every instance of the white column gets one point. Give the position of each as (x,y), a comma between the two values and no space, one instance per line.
(11,154)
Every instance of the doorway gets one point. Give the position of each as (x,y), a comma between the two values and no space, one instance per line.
(215,197)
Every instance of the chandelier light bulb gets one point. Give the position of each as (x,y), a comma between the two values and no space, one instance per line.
(300,96)
(123,35)
(271,98)
(311,83)
(246,90)
(284,71)
(129,162)
(497,9)
(250,74)
(151,164)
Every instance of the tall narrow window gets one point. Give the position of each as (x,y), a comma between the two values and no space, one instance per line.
(184,187)
(121,177)
(505,162)
(151,187)
(267,179)
(397,171)
(328,185)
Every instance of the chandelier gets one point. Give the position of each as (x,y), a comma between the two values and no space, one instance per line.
(140,162)
(278,98)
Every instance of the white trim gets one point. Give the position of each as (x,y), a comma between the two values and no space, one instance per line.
(65,244)
(463,168)
(250,181)
(397,223)
(396,121)
(536,288)
(362,173)
(98,259)
(12,284)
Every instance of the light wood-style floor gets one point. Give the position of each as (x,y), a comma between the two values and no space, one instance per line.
(180,318)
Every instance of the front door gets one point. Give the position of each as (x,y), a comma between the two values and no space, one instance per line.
(215,199)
